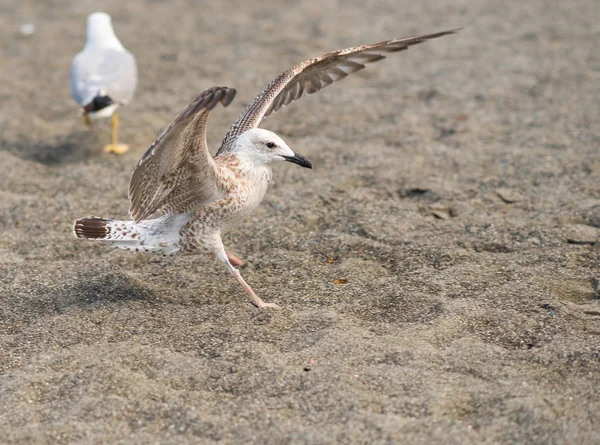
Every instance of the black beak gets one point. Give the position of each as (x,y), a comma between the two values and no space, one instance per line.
(298,159)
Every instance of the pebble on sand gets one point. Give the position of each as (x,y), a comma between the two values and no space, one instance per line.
(27,29)
(582,234)
(509,196)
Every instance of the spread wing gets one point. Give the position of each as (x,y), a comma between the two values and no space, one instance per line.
(177,173)
(110,71)
(311,76)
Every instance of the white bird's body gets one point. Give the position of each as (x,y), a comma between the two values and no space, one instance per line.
(200,198)
(104,74)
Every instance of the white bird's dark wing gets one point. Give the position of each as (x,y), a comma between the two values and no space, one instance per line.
(110,71)
(177,173)
(311,76)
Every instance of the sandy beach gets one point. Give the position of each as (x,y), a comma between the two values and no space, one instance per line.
(438,268)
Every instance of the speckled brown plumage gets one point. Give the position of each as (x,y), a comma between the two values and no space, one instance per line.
(177,172)
(183,200)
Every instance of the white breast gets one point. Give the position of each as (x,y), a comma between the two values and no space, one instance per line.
(249,192)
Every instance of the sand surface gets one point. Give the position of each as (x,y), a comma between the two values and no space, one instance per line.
(455,201)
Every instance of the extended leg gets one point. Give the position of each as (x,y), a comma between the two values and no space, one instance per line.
(235,261)
(116,147)
(256,301)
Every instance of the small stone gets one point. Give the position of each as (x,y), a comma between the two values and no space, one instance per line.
(582,234)
(509,196)
(27,29)
(588,204)
(309,365)
(441,213)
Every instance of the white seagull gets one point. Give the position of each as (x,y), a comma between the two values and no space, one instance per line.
(103,76)
(184,200)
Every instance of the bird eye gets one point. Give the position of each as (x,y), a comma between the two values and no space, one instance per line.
(271,145)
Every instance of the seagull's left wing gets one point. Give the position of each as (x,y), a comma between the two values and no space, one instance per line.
(177,173)
(311,76)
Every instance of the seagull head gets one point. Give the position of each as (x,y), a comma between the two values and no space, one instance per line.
(263,147)
(100,32)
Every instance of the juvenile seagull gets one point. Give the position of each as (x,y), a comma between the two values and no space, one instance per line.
(183,200)
(103,76)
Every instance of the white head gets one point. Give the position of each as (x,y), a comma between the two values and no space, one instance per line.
(263,147)
(100,33)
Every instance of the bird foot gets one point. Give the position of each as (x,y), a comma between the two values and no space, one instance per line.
(262,305)
(118,149)
(235,261)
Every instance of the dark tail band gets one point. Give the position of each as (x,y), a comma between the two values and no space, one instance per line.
(91,227)
(98,103)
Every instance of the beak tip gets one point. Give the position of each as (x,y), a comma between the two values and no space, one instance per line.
(300,160)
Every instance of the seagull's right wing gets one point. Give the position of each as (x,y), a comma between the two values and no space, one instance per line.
(110,71)
(311,76)
(177,173)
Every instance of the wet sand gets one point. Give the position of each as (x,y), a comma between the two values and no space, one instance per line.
(439,266)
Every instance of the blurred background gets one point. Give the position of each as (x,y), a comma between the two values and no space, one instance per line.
(439,265)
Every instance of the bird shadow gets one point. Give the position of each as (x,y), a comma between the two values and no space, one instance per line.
(89,292)
(96,292)
(75,147)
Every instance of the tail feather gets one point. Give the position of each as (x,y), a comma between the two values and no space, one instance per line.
(158,235)
(92,227)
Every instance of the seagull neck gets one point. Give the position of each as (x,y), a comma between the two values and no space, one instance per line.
(254,170)
(253,161)
(102,37)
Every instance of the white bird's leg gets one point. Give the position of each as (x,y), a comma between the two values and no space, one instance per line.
(256,300)
(115,147)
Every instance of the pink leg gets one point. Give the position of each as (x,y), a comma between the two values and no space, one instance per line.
(235,261)
(256,300)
